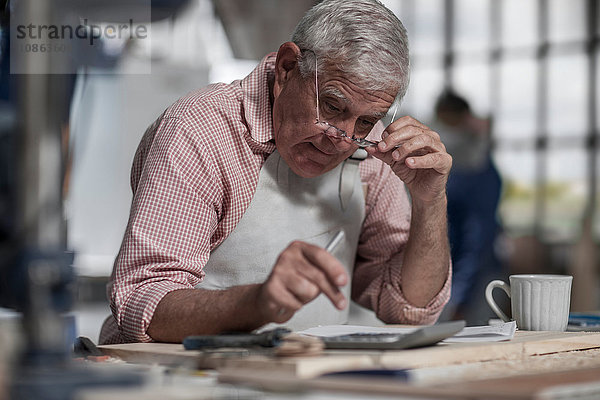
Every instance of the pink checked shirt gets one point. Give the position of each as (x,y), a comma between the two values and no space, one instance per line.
(193,176)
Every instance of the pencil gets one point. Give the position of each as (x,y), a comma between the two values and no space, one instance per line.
(335,241)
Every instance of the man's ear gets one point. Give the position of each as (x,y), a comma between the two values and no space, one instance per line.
(285,65)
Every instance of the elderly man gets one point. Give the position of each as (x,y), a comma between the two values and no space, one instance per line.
(237,187)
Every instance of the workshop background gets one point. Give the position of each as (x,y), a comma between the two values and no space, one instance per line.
(528,67)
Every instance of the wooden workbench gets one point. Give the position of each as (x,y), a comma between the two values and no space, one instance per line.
(529,364)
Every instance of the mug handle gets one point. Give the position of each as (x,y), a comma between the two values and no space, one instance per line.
(490,300)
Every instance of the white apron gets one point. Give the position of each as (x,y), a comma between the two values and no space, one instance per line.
(287,207)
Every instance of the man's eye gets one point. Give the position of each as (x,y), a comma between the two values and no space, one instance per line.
(366,124)
(331,108)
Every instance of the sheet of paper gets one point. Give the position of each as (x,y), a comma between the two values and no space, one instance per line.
(489,333)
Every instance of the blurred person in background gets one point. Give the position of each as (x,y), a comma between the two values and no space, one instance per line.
(474,188)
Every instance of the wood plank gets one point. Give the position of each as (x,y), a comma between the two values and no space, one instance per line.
(263,360)
(570,384)
(539,364)
(523,345)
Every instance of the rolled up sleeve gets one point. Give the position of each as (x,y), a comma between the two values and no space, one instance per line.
(168,236)
(377,277)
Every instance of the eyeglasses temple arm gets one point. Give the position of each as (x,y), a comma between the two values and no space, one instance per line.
(394,115)
(317,88)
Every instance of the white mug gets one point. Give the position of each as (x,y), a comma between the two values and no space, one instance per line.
(538,302)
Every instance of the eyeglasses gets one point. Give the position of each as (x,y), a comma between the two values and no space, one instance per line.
(335,132)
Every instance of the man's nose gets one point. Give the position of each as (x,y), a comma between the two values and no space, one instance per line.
(341,143)
(348,128)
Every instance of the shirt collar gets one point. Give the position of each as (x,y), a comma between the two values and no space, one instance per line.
(257,107)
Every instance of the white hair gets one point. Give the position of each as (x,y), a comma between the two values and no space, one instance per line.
(361,38)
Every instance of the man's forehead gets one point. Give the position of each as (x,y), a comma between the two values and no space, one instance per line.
(333,91)
(333,71)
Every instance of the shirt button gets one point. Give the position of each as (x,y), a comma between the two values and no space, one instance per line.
(388,286)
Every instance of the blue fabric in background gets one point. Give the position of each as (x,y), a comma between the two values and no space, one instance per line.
(473,197)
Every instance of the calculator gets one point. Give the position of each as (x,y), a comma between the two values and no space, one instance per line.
(420,337)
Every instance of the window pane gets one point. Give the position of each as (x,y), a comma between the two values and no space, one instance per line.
(598,18)
(428,27)
(425,87)
(566,20)
(598,90)
(567,91)
(515,118)
(566,193)
(471,24)
(395,6)
(596,227)
(519,23)
(473,82)
(517,207)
